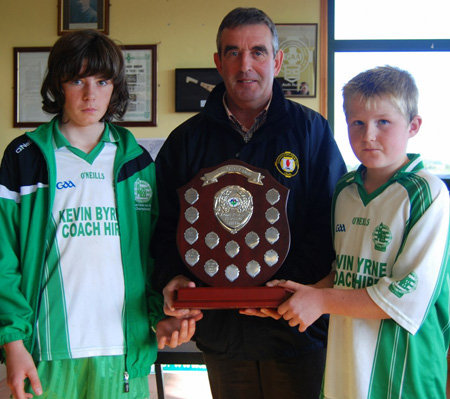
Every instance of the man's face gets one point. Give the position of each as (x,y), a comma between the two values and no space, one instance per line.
(248,66)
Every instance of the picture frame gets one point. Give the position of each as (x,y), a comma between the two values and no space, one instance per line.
(192,87)
(140,67)
(30,65)
(298,74)
(83,14)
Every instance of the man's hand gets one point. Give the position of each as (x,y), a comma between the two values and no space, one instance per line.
(169,297)
(264,312)
(19,366)
(174,332)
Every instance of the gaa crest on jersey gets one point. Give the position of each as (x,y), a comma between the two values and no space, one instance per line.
(142,191)
(287,164)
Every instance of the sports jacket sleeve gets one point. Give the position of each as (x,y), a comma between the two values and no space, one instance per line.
(15,311)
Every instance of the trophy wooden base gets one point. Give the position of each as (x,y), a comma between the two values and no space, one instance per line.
(229,297)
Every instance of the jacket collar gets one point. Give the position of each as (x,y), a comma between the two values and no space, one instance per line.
(277,108)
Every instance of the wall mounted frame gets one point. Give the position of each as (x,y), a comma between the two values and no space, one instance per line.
(298,74)
(30,64)
(140,68)
(83,14)
(192,87)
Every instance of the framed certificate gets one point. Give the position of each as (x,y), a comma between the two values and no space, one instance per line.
(30,64)
(298,74)
(140,65)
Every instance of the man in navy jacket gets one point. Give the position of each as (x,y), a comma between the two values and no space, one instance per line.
(248,118)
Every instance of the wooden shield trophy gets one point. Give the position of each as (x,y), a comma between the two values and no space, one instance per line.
(233,234)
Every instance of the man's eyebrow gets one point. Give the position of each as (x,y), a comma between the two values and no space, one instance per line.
(260,48)
(229,48)
(263,49)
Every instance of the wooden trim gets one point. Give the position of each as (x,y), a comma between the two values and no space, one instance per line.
(323,55)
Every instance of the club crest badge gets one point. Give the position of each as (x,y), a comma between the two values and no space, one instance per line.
(287,164)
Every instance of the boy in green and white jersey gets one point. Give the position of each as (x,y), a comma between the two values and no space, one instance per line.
(78,208)
(389,324)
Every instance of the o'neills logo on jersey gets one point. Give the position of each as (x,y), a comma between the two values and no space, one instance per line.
(142,194)
(22,146)
(287,164)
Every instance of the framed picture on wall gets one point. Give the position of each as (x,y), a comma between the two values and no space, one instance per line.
(140,69)
(83,14)
(192,87)
(298,74)
(30,65)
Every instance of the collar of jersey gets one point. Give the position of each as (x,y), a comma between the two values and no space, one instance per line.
(108,136)
(415,163)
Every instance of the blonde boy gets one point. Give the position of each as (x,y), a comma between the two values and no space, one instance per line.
(389,307)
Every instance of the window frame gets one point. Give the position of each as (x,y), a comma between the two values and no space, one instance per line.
(395,45)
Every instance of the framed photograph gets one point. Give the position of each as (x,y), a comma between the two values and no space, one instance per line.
(30,65)
(192,87)
(83,14)
(140,66)
(298,74)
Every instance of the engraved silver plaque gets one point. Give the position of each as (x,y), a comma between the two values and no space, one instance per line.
(232,248)
(272,215)
(192,257)
(233,207)
(271,257)
(212,240)
(232,272)
(191,196)
(272,235)
(251,175)
(272,196)
(191,235)
(191,215)
(253,268)
(252,239)
(211,267)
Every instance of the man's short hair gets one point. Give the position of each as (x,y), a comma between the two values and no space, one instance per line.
(247,16)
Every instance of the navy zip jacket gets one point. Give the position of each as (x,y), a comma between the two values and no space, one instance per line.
(208,139)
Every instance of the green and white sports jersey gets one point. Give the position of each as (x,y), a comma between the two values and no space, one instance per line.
(394,242)
(83,293)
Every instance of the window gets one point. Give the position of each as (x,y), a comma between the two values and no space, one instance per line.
(410,34)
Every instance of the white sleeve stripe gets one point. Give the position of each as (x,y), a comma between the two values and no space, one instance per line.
(8,194)
(5,193)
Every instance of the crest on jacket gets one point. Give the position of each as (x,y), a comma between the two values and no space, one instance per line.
(287,164)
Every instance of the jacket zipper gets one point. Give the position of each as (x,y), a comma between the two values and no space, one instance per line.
(126,384)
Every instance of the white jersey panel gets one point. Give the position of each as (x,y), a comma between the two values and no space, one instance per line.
(88,240)
(344,378)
